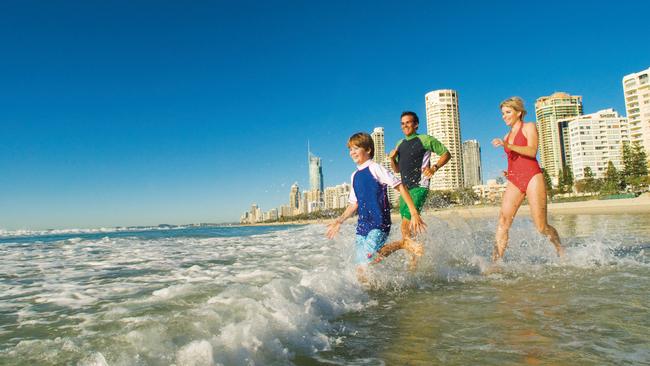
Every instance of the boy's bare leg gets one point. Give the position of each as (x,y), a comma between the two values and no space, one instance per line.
(396,245)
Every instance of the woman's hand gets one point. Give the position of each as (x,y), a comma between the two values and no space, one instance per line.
(497,142)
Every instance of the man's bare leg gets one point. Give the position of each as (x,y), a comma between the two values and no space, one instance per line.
(414,248)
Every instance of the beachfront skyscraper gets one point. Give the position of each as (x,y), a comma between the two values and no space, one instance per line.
(596,139)
(294,199)
(443,123)
(380,146)
(553,135)
(472,163)
(315,171)
(636,88)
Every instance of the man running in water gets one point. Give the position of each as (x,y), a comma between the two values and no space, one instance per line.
(411,158)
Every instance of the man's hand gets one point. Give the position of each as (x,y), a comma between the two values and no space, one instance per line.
(429,171)
(333,229)
(417,224)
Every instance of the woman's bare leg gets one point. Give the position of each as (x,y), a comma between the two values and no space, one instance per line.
(536,192)
(512,199)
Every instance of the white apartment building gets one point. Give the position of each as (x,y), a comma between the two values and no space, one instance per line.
(596,139)
(443,123)
(472,163)
(337,196)
(636,88)
(380,145)
(294,199)
(553,138)
(492,191)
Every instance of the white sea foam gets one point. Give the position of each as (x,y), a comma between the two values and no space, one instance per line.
(25,232)
(257,300)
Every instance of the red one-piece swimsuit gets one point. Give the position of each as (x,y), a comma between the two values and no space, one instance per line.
(521,168)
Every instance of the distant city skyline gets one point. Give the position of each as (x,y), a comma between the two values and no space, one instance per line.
(129,114)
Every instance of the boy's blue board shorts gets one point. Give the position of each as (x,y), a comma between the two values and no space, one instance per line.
(367,246)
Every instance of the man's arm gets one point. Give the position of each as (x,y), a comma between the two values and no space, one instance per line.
(416,223)
(393,161)
(430,170)
(432,144)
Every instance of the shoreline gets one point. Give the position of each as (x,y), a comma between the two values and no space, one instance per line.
(635,205)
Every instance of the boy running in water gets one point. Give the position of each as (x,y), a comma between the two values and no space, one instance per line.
(369,195)
(411,158)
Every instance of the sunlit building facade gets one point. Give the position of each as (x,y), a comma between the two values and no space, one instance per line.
(553,135)
(443,123)
(636,88)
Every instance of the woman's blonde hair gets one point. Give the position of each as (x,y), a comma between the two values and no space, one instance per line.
(515,103)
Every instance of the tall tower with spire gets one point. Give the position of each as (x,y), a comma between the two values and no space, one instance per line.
(315,171)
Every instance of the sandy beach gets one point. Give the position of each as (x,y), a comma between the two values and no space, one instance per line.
(639,204)
(636,205)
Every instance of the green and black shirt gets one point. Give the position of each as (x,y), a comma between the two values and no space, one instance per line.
(413,155)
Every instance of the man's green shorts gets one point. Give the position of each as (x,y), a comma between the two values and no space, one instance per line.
(418,195)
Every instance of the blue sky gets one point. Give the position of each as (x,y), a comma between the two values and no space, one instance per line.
(145,112)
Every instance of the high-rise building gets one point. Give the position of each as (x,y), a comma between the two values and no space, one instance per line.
(286,211)
(472,163)
(337,197)
(314,200)
(443,123)
(294,199)
(273,214)
(553,135)
(315,172)
(380,146)
(636,88)
(256,214)
(596,139)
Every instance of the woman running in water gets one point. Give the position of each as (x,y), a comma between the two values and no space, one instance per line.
(524,177)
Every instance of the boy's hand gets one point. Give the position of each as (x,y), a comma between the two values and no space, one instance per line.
(333,229)
(417,224)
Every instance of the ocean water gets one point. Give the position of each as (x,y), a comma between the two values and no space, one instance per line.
(287,296)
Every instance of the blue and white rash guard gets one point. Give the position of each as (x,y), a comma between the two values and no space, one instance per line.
(370,190)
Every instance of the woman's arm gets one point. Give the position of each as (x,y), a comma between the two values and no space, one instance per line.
(530,150)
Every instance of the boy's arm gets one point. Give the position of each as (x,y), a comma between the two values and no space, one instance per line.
(417,225)
(333,228)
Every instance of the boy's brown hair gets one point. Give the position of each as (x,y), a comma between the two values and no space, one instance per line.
(364,141)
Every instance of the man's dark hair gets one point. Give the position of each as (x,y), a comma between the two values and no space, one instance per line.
(412,114)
